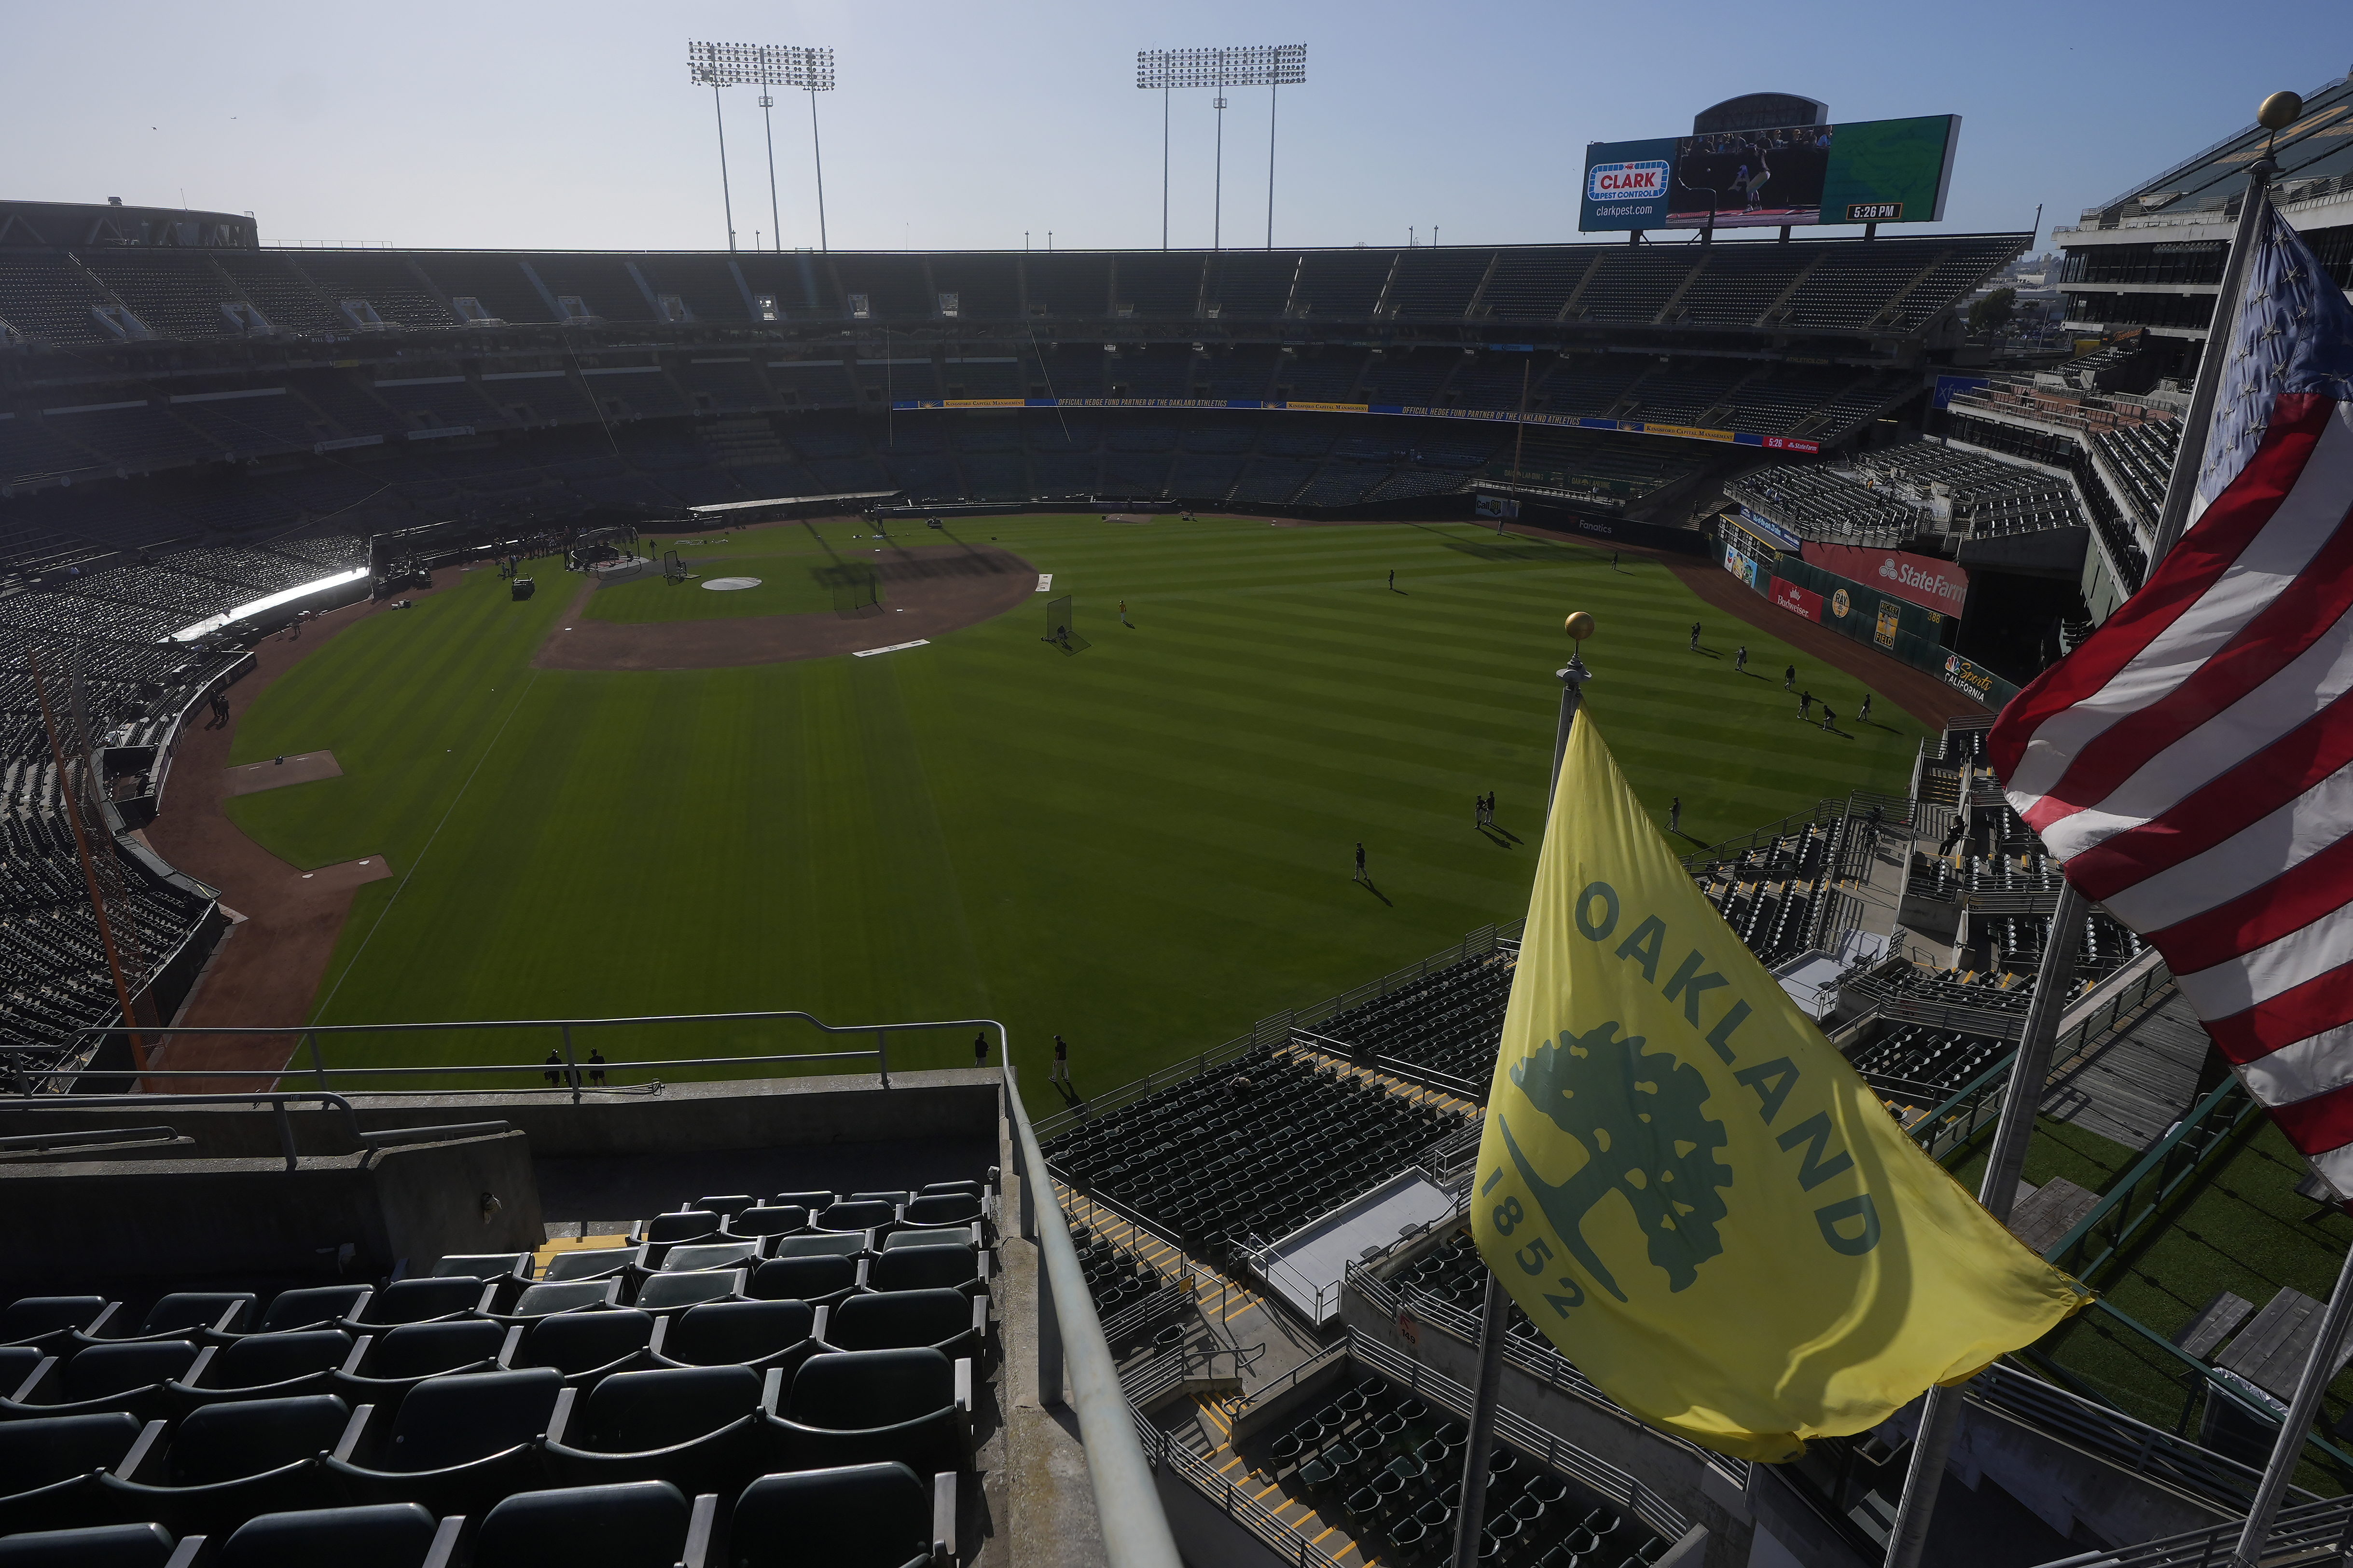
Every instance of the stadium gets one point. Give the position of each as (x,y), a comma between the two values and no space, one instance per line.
(592,837)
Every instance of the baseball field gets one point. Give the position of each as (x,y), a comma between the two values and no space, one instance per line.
(1144,840)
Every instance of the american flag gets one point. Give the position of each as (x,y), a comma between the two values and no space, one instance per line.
(2191,762)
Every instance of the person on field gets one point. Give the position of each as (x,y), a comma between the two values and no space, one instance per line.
(1123,615)
(1360,865)
(596,1067)
(1827,715)
(1061,1073)
(1675,814)
(1695,647)
(980,1050)
(1805,704)
(1740,659)
(1393,579)
(1790,678)
(554,1074)
(1862,714)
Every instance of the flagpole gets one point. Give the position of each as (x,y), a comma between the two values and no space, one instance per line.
(1495,1307)
(2004,1166)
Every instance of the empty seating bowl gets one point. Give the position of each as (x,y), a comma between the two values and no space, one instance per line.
(386,1535)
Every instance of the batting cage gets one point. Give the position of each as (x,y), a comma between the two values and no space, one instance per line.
(857,587)
(673,569)
(1059,627)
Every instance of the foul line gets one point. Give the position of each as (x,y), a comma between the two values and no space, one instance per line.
(322,1010)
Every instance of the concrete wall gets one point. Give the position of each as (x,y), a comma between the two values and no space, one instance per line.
(180,1219)
(747,1114)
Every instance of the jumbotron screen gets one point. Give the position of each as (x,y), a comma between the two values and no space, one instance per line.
(1867,171)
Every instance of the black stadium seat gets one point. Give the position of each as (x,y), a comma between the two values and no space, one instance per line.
(320,1307)
(856,1407)
(381,1368)
(37,1320)
(49,1467)
(545,1301)
(754,1334)
(855,1215)
(844,1244)
(948,1322)
(767,1220)
(17,1362)
(264,1366)
(711,1255)
(185,1315)
(726,1208)
(591,1263)
(630,1524)
(819,1281)
(689,1287)
(129,1375)
(926,1268)
(587,1346)
(809,1201)
(226,1463)
(694,1426)
(421,1301)
(384,1535)
(456,1443)
(942,1209)
(99,1546)
(851,1516)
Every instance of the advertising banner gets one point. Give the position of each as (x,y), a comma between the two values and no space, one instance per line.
(1891,621)
(1946,385)
(1741,566)
(1976,680)
(1865,171)
(1769,529)
(1801,601)
(1626,184)
(1936,584)
(1498,507)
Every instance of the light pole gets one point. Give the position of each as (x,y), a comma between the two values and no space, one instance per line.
(765,65)
(1269,66)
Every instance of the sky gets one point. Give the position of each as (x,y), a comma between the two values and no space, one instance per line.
(958,126)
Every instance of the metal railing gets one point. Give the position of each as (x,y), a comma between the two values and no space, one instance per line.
(2312,1533)
(1240,1506)
(567,1073)
(1135,1527)
(277,1101)
(2172,1164)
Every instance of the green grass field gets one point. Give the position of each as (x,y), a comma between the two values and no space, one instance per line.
(1145,844)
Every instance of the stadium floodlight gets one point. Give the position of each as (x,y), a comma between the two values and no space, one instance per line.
(765,65)
(1269,66)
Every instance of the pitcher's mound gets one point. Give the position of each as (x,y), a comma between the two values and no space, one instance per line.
(731,585)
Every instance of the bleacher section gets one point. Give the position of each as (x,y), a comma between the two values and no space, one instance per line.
(776,1380)
(1891,495)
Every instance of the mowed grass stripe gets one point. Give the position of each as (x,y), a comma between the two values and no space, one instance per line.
(1143,846)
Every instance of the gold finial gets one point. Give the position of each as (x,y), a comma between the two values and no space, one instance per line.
(2279,111)
(1580,625)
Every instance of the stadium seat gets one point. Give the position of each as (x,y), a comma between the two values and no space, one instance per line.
(317,1307)
(676,1292)
(948,1322)
(510,1271)
(587,1346)
(17,1362)
(457,1443)
(384,1535)
(547,1301)
(976,1189)
(853,1516)
(591,1263)
(630,1524)
(225,1463)
(128,1375)
(263,1366)
(856,1407)
(99,1546)
(819,1281)
(945,1235)
(726,1207)
(937,1209)
(382,1367)
(895,1199)
(783,1220)
(755,1334)
(711,1255)
(846,1243)
(184,1315)
(421,1301)
(812,1202)
(665,1231)
(693,1427)
(49,1467)
(38,1321)
(928,1269)
(858,1215)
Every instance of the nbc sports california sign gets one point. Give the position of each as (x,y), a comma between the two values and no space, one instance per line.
(1926,581)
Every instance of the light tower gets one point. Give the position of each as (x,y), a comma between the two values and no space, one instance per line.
(765,66)
(1269,66)
(715,66)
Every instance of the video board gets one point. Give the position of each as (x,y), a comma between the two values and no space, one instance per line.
(1867,171)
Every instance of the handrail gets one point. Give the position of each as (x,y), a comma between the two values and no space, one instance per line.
(574,1075)
(1135,1527)
(2072,1250)
(2215,1383)
(277,1100)
(2314,1533)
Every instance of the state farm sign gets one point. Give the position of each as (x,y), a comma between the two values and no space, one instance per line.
(1926,581)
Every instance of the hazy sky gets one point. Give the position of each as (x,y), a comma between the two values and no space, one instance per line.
(961,125)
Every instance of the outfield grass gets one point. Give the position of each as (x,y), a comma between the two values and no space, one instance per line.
(1144,845)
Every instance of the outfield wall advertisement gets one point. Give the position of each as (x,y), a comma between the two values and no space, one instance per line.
(1483,415)
(1867,170)
(1933,584)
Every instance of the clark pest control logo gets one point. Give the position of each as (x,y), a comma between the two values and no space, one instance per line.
(1610,182)
(1640,1117)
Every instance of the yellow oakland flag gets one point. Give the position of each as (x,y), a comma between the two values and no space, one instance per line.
(1692,1194)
